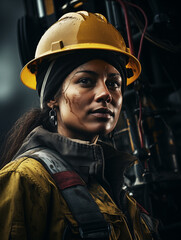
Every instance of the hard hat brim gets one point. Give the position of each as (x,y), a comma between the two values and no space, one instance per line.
(29,79)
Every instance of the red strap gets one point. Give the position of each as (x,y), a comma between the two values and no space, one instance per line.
(142,209)
(67,179)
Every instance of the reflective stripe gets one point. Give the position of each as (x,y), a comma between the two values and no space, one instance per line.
(67,179)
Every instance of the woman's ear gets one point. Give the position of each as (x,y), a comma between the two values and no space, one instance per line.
(52,103)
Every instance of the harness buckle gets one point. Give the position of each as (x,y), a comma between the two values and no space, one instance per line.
(95,232)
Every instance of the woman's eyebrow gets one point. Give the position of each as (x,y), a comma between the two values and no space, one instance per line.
(96,74)
(114,74)
(89,72)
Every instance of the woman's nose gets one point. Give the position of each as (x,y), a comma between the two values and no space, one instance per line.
(103,94)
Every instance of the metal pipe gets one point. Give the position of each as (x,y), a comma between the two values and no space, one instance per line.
(116,15)
(109,12)
(40,8)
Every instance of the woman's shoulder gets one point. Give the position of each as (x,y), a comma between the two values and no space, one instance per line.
(29,171)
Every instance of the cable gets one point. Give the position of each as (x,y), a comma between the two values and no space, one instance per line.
(130,42)
(128,29)
(139,123)
(138,56)
(154,40)
(139,53)
(145,27)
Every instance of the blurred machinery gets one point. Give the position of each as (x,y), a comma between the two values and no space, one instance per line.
(150,123)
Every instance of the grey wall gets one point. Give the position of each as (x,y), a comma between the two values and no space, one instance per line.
(15,98)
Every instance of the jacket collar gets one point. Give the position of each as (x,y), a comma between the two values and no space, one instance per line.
(98,160)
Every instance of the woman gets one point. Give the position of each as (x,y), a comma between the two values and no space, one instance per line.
(61,182)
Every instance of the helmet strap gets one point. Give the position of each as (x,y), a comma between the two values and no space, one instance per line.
(44,83)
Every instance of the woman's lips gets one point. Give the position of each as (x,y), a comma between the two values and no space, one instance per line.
(105,113)
(101,115)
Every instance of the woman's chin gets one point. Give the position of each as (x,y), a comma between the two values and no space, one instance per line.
(100,129)
(87,131)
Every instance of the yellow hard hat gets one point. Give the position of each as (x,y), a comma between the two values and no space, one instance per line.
(75,31)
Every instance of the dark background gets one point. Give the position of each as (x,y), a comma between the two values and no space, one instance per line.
(159,89)
(15,98)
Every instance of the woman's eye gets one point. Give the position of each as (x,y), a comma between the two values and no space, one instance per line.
(86,82)
(113,84)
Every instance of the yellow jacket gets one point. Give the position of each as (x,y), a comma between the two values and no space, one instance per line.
(31,206)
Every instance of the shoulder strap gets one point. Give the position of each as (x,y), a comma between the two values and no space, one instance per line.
(91,222)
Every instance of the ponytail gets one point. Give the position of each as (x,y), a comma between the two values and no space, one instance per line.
(21,129)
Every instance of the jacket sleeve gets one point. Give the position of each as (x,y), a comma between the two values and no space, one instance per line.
(23,204)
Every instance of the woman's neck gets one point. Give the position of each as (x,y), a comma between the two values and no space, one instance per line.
(77,136)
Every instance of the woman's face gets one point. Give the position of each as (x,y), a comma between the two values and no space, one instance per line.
(90,101)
